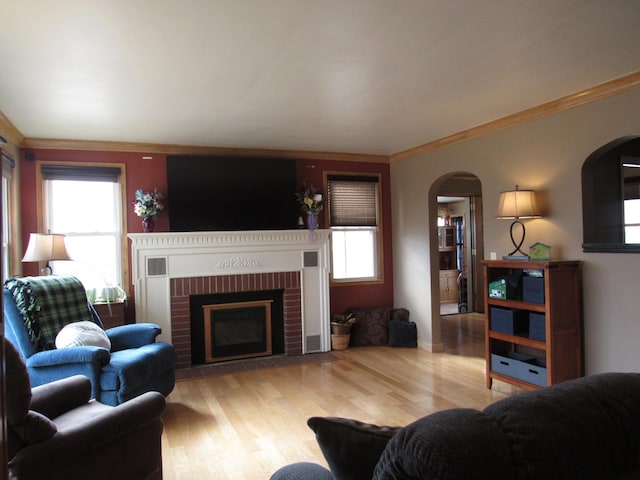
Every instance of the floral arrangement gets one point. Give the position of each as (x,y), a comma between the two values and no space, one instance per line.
(341,323)
(309,199)
(148,204)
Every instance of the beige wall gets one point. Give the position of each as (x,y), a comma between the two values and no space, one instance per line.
(545,155)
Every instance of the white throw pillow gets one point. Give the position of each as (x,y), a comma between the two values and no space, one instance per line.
(79,334)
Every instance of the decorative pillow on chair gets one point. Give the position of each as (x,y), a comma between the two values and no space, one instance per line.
(352,448)
(80,334)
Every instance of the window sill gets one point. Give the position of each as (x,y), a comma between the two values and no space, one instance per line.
(356,281)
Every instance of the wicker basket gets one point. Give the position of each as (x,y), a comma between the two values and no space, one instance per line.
(340,342)
(340,328)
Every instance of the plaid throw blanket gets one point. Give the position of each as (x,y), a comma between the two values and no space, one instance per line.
(47,304)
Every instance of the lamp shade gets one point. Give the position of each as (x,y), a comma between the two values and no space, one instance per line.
(44,247)
(518,204)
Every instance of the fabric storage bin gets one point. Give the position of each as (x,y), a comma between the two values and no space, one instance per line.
(534,372)
(537,326)
(533,289)
(511,363)
(504,365)
(510,321)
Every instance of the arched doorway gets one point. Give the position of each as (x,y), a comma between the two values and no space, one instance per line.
(459,224)
(459,250)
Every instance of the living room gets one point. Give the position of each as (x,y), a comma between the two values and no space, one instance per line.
(544,149)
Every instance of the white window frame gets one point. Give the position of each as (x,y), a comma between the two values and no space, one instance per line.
(122,260)
(632,210)
(376,230)
(7,235)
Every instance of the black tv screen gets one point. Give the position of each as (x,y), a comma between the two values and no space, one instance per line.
(215,194)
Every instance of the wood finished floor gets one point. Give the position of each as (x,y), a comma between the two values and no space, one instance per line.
(245,425)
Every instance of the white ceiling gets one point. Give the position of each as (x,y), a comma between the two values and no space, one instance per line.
(360,76)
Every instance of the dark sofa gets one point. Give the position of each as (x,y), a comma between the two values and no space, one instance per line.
(581,429)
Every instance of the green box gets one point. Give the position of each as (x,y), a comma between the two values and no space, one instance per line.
(503,289)
(498,289)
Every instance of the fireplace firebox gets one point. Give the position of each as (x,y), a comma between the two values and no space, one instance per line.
(237,330)
(228,326)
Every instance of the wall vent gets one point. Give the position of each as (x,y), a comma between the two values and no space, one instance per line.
(313,343)
(310,259)
(156,267)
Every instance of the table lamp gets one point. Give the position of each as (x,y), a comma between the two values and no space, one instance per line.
(517,204)
(45,247)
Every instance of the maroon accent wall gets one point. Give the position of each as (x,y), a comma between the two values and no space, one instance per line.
(150,174)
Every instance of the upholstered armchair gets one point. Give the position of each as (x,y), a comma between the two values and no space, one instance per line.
(56,432)
(121,362)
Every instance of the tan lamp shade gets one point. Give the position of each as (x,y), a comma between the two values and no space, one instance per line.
(44,247)
(518,204)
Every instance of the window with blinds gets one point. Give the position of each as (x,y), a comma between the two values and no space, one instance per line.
(352,201)
(85,204)
(353,219)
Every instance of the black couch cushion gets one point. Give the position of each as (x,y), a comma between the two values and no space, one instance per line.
(351,448)
(456,444)
(577,430)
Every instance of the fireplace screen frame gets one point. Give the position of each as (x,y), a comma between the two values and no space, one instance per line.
(209,347)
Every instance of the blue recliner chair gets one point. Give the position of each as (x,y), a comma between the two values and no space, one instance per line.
(37,308)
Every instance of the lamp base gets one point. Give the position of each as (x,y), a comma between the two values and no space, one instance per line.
(515,257)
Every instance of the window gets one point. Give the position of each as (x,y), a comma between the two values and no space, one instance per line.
(610,181)
(7,174)
(632,221)
(353,206)
(85,204)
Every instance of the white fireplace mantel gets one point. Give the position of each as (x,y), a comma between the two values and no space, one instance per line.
(158,257)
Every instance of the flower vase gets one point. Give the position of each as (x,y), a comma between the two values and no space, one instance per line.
(148,224)
(312,225)
(312,220)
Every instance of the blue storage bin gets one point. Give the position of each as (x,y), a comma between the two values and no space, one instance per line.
(537,326)
(534,372)
(533,289)
(508,320)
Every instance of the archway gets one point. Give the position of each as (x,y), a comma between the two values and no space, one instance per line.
(457,247)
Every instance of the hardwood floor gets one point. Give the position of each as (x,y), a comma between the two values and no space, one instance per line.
(246,425)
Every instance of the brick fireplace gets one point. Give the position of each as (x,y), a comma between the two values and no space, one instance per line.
(170,267)
(183,288)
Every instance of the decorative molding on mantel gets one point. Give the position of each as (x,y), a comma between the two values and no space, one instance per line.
(159,257)
(206,239)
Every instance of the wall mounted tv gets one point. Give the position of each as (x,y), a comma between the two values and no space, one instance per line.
(215,193)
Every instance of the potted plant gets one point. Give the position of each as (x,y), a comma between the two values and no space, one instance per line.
(341,330)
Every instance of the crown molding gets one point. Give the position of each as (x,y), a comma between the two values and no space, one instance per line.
(592,94)
(598,92)
(9,131)
(167,149)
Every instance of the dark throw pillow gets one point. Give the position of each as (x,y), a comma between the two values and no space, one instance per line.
(403,334)
(352,449)
(372,327)
(401,314)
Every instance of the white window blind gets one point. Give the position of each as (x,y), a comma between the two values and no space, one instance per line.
(352,200)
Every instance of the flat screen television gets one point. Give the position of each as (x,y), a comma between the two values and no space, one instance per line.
(226,194)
